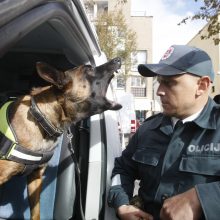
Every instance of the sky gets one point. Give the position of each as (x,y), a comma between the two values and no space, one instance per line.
(166,15)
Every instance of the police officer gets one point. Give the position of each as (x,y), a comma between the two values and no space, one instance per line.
(178,166)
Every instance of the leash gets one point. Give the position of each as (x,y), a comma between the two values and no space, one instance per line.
(77,168)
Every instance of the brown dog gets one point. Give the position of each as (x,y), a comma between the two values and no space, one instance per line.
(39,118)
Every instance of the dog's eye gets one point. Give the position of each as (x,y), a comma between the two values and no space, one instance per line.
(89,70)
(89,67)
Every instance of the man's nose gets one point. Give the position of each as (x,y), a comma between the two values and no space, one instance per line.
(160,91)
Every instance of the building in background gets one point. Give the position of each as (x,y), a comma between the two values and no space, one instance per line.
(213,51)
(140,87)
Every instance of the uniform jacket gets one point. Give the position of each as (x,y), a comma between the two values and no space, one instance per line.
(168,163)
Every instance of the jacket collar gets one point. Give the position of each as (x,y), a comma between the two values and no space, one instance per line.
(164,122)
(208,117)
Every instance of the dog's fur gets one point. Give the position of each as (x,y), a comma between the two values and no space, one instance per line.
(73,95)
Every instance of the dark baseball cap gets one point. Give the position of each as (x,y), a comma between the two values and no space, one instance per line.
(180,59)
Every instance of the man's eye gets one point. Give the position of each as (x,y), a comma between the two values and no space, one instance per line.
(167,83)
(163,82)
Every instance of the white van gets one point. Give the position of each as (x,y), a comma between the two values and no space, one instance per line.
(57,32)
(127,116)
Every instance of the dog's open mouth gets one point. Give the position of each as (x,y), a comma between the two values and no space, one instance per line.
(116,64)
(106,74)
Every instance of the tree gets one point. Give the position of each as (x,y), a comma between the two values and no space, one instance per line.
(210,12)
(115,37)
(122,1)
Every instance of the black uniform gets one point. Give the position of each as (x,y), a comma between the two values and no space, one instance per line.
(168,163)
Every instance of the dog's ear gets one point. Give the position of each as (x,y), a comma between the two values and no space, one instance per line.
(51,75)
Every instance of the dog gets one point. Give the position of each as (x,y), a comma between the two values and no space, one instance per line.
(39,118)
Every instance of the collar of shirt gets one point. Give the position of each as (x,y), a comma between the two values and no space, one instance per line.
(190,118)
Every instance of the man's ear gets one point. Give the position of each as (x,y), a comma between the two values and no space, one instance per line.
(203,85)
(51,75)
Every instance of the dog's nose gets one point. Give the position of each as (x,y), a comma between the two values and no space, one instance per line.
(117,60)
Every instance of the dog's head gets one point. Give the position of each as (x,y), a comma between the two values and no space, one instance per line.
(83,89)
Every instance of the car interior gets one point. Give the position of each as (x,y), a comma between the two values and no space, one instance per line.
(45,33)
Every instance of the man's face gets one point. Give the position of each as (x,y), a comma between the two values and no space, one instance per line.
(178,94)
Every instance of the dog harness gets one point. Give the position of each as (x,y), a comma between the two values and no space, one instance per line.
(10,149)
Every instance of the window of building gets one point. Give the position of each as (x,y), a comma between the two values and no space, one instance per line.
(136,81)
(138,88)
(120,82)
(138,91)
(138,57)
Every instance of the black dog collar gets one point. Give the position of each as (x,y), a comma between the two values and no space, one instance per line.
(43,121)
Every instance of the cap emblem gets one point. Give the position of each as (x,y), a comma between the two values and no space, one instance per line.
(168,53)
